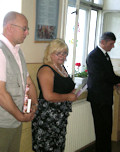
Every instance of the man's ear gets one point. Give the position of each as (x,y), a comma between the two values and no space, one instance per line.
(9,27)
(103,42)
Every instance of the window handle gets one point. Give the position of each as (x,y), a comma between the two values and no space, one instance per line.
(75,12)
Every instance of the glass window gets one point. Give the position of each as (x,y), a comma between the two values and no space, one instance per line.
(92,31)
(72,3)
(100,2)
(87,0)
(81,38)
(87,32)
(70,37)
(82,32)
(12,5)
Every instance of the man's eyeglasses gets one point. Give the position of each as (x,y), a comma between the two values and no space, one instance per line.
(23,28)
(61,53)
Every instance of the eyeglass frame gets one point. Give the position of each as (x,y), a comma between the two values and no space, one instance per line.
(23,28)
(61,53)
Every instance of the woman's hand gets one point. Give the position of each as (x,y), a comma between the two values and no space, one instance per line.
(34,107)
(72,96)
(73,91)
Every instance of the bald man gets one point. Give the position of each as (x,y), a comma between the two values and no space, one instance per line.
(13,80)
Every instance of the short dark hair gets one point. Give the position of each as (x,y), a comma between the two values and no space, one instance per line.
(107,36)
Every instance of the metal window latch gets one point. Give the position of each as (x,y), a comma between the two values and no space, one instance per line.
(75,12)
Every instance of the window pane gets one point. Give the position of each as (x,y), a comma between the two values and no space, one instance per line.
(92,31)
(98,2)
(12,5)
(86,0)
(72,3)
(81,39)
(85,41)
(70,37)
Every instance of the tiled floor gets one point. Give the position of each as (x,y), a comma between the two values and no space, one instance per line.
(115,148)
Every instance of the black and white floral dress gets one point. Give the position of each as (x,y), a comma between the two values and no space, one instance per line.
(49,125)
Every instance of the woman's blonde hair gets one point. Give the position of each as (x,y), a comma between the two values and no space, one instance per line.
(56,45)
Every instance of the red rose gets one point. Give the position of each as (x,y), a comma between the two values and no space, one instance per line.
(86,70)
(78,64)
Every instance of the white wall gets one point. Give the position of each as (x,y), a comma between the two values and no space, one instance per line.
(111,23)
(111,4)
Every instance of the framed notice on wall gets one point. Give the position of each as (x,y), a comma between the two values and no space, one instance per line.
(46,20)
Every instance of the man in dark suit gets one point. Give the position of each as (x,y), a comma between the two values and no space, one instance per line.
(101,79)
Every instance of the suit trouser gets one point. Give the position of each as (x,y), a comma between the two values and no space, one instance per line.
(10,139)
(102,116)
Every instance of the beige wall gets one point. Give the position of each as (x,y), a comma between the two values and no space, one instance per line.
(33,52)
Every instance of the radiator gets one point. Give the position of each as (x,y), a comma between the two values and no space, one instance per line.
(80,129)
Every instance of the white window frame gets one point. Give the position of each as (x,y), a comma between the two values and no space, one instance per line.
(62,25)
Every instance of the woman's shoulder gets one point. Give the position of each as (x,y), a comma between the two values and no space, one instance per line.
(45,68)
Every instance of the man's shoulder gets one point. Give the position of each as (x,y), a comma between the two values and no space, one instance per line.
(96,54)
(96,51)
(93,52)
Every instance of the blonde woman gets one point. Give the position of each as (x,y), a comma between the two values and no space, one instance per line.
(56,96)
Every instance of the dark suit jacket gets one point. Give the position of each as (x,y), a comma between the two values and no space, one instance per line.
(101,78)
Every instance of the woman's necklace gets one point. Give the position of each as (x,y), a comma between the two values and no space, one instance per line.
(62,72)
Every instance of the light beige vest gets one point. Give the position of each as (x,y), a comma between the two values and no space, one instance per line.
(13,86)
